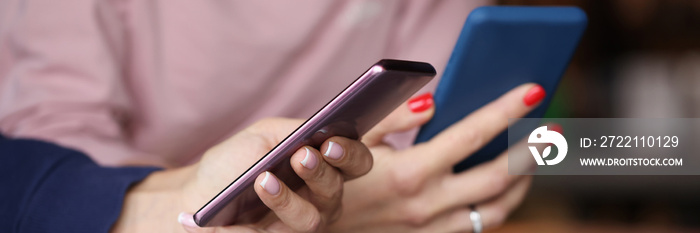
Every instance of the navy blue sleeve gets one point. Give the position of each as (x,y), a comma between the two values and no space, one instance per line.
(48,188)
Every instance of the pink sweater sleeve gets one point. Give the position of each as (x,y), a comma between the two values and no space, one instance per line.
(59,77)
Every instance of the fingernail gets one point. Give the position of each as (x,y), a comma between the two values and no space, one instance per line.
(310,160)
(186,220)
(534,95)
(270,184)
(421,103)
(334,151)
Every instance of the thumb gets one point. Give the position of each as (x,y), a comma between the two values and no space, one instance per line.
(412,113)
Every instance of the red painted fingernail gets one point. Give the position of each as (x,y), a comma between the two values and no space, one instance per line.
(534,95)
(421,103)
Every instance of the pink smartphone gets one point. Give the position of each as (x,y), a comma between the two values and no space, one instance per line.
(354,111)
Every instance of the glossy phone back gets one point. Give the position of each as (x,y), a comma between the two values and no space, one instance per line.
(354,111)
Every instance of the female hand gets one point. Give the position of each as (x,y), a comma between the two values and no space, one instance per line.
(415,190)
(153,205)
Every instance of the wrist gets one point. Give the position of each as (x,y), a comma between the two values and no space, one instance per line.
(153,204)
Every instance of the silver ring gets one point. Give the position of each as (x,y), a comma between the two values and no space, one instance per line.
(475,216)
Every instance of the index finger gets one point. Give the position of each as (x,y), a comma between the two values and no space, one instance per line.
(466,136)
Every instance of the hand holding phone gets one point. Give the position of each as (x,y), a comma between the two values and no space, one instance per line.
(152,204)
(414,190)
(352,113)
(295,211)
(498,49)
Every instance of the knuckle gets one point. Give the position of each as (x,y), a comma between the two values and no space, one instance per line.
(497,217)
(283,201)
(328,185)
(334,190)
(415,214)
(498,182)
(312,223)
(349,159)
(321,171)
(407,182)
(337,186)
(260,130)
(358,160)
(365,162)
(474,138)
(469,137)
(335,214)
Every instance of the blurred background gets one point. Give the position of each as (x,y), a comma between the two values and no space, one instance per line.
(638,58)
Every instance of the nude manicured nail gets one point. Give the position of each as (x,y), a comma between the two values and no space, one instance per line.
(270,184)
(186,220)
(534,95)
(310,160)
(421,103)
(334,151)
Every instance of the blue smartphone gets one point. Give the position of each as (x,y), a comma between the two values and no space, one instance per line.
(499,48)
